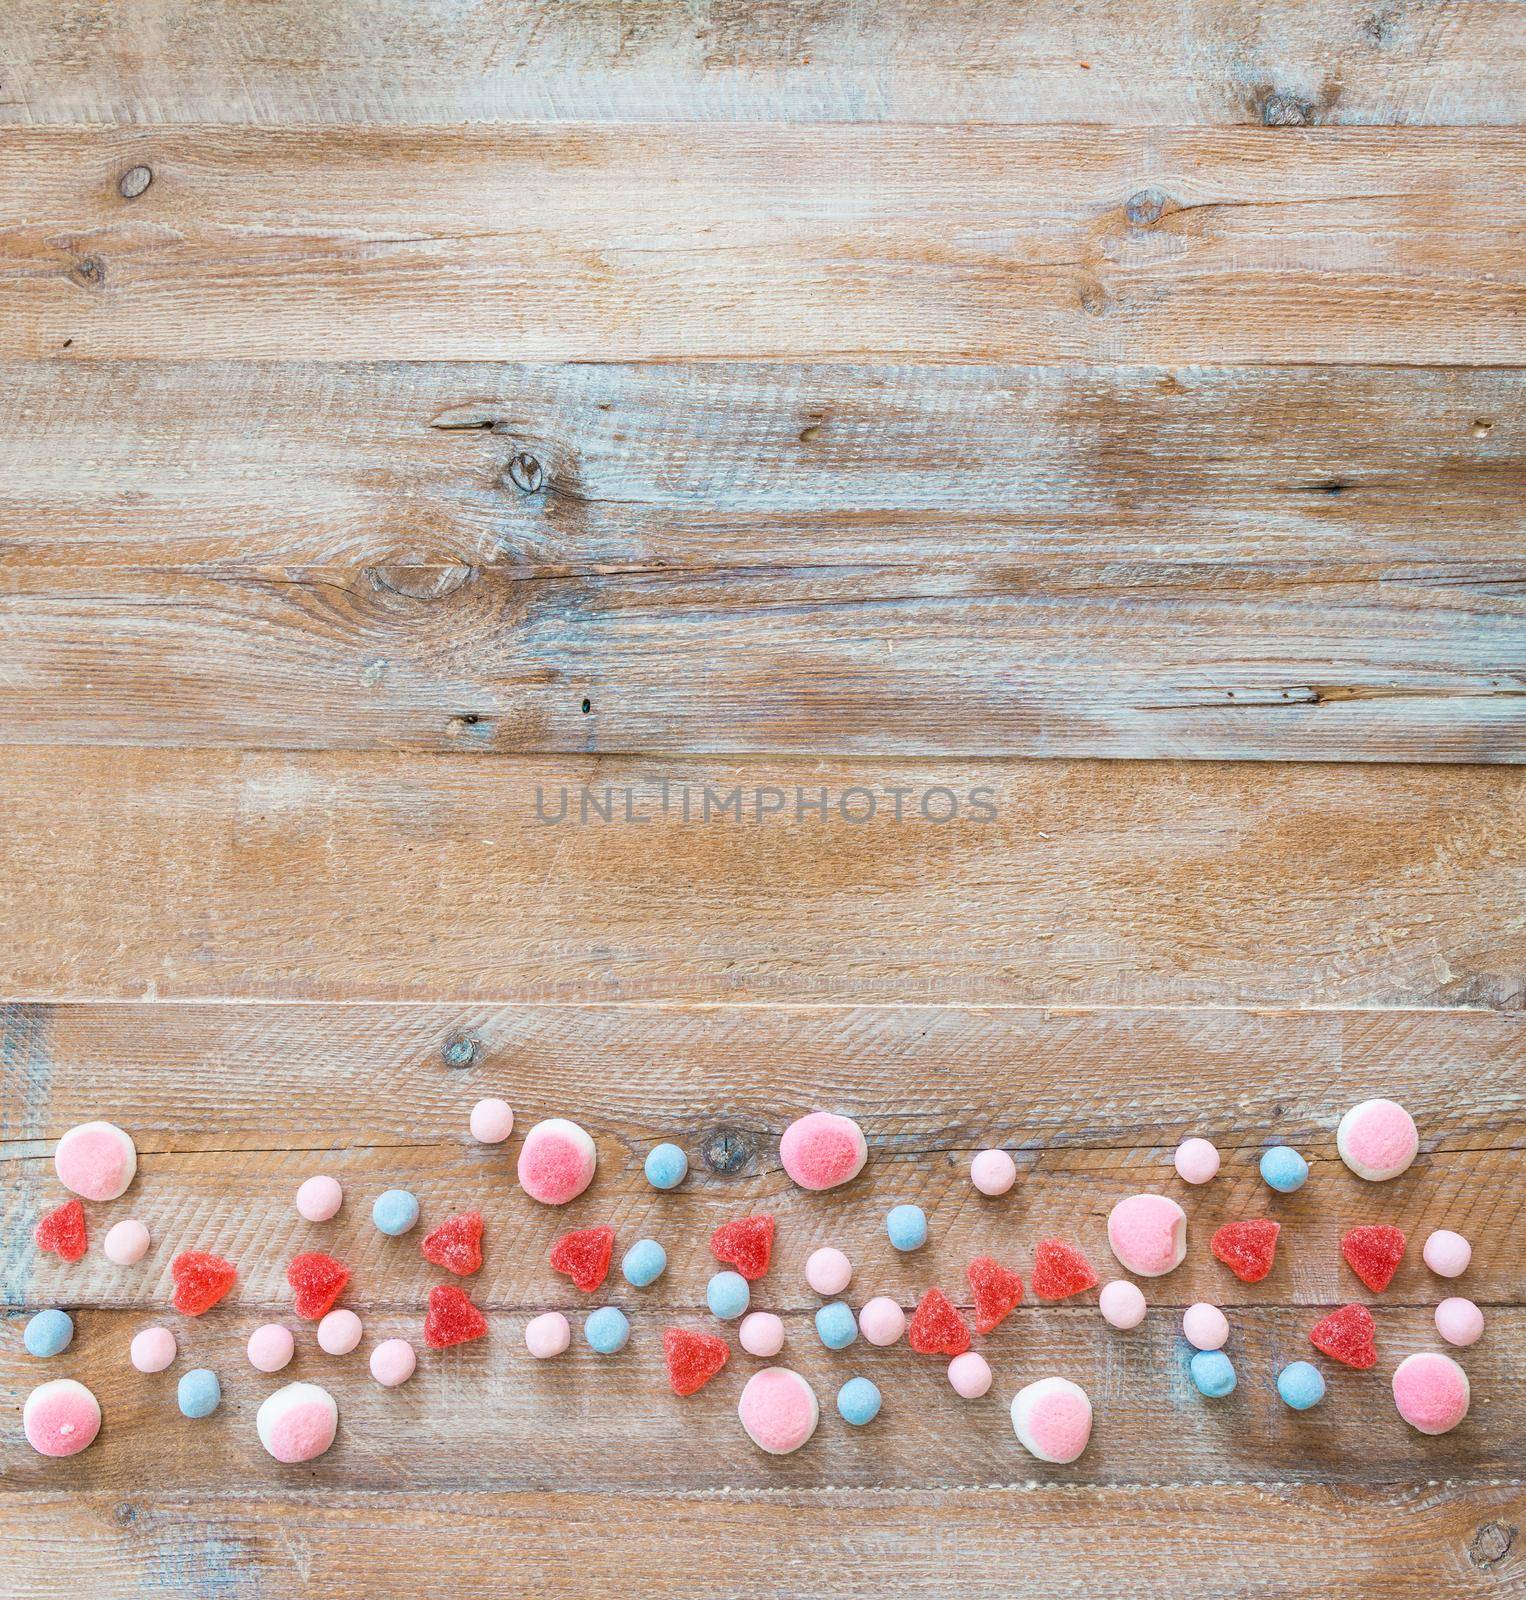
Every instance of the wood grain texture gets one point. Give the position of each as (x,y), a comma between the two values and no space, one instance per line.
(194,873)
(840,243)
(411,61)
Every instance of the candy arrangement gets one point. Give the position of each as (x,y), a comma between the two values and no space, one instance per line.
(778,1410)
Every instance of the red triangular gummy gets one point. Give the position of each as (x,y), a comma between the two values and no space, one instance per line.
(584,1255)
(451,1318)
(1248,1249)
(456,1244)
(318,1281)
(693,1358)
(746,1244)
(1374,1254)
(62,1231)
(997,1290)
(936,1328)
(201,1280)
(1060,1270)
(1347,1335)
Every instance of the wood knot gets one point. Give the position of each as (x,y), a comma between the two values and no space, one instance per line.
(526,473)
(89,271)
(726,1150)
(134,181)
(1491,1543)
(1146,207)
(126,1513)
(1285,111)
(1092,298)
(460,1050)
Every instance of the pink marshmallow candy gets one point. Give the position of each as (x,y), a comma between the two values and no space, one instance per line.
(970,1375)
(492,1121)
(393,1362)
(126,1244)
(993,1172)
(547,1335)
(828,1271)
(1148,1234)
(1431,1392)
(822,1150)
(271,1347)
(1121,1303)
(1052,1419)
(1447,1254)
(882,1321)
(1196,1161)
(761,1334)
(556,1161)
(319,1199)
(297,1423)
(778,1410)
(1205,1327)
(1459,1321)
(1377,1140)
(339,1333)
(152,1349)
(96,1161)
(60,1418)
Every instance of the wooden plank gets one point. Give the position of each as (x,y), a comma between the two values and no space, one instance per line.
(181,874)
(409,61)
(839,243)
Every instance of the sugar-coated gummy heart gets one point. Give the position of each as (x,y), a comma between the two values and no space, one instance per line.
(746,1244)
(96,1160)
(1348,1336)
(1060,1270)
(997,1290)
(297,1423)
(779,1410)
(1374,1253)
(1247,1248)
(456,1244)
(822,1149)
(62,1231)
(201,1280)
(693,1358)
(936,1327)
(583,1255)
(1431,1392)
(60,1418)
(317,1280)
(452,1318)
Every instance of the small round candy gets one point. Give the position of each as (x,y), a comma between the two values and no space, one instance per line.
(393,1362)
(1205,1327)
(1301,1385)
(1377,1140)
(644,1263)
(761,1334)
(1283,1169)
(727,1294)
(60,1418)
(882,1321)
(778,1410)
(557,1161)
(907,1227)
(492,1121)
(547,1335)
(1052,1419)
(395,1212)
(970,1374)
(1447,1254)
(828,1271)
(1148,1234)
(1431,1392)
(297,1423)
(126,1243)
(271,1347)
(858,1402)
(49,1333)
(822,1150)
(836,1325)
(1213,1373)
(339,1332)
(199,1393)
(152,1349)
(666,1166)
(993,1172)
(96,1161)
(1196,1161)
(1459,1321)
(1121,1303)
(319,1198)
(607,1330)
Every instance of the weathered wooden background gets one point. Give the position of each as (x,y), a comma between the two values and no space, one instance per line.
(413,409)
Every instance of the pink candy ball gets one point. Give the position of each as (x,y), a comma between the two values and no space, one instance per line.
(557,1161)
(547,1335)
(882,1321)
(270,1347)
(1205,1327)
(392,1362)
(152,1349)
(821,1150)
(126,1244)
(828,1271)
(1378,1141)
(1431,1392)
(339,1333)
(1459,1321)
(60,1418)
(1121,1303)
(970,1375)
(993,1172)
(761,1334)
(492,1121)
(1148,1234)
(1196,1161)
(96,1160)
(319,1199)
(778,1410)
(1447,1254)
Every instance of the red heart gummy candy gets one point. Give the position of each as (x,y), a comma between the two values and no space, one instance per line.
(452,1318)
(63,1231)
(1374,1254)
(201,1280)
(1347,1335)
(936,1328)
(456,1244)
(693,1358)
(318,1280)
(997,1290)
(584,1256)
(1060,1270)
(1248,1249)
(746,1244)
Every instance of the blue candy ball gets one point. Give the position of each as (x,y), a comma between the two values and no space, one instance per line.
(727,1295)
(907,1227)
(858,1401)
(607,1330)
(644,1263)
(666,1166)
(200,1394)
(1213,1373)
(837,1325)
(48,1333)
(1284,1169)
(395,1212)
(1301,1385)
